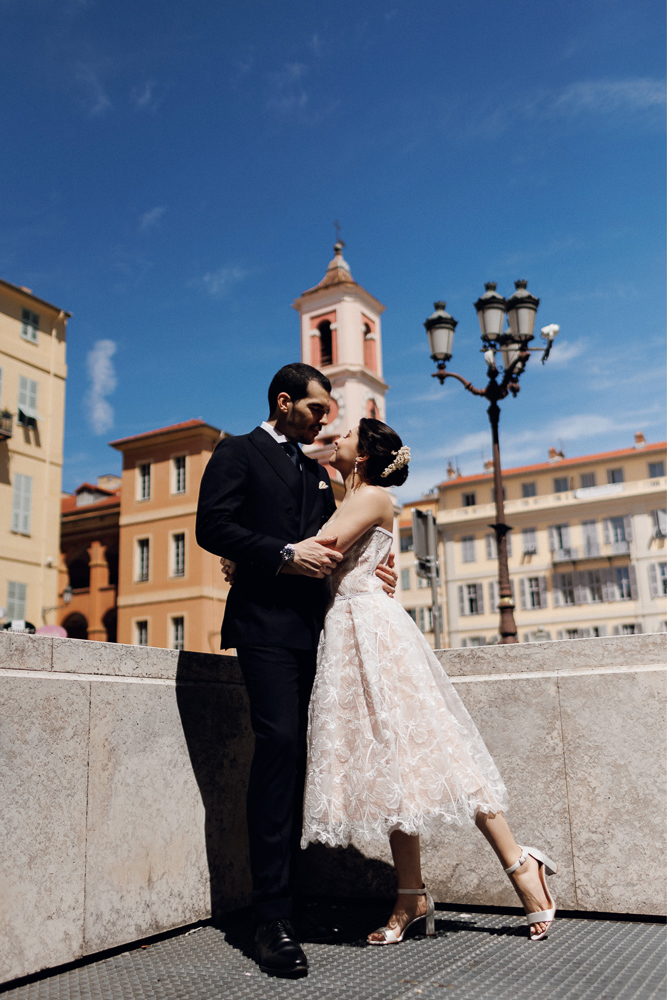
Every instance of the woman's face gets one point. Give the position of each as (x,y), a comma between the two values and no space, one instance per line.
(345,451)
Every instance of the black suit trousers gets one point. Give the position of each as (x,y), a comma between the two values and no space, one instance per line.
(279,682)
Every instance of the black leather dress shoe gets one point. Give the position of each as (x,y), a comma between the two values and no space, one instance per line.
(278,950)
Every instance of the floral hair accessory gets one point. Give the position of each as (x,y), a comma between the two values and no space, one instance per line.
(402,458)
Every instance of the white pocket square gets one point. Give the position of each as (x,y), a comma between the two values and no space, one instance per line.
(322,485)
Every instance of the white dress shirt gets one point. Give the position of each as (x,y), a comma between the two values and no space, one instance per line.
(280,438)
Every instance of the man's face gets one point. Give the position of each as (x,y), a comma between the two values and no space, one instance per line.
(305,419)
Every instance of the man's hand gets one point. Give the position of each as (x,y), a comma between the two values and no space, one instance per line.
(388,575)
(228,570)
(314,557)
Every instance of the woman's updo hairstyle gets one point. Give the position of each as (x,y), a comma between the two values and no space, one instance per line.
(381,444)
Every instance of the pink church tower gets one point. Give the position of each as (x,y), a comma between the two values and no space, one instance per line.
(341,335)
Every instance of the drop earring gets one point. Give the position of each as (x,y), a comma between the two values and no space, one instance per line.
(354,472)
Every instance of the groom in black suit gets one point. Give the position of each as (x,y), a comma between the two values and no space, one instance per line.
(261,502)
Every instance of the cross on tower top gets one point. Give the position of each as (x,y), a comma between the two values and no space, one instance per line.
(337,228)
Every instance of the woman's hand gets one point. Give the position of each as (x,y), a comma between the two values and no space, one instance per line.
(388,575)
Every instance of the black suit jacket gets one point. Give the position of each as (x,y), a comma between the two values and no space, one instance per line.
(252,502)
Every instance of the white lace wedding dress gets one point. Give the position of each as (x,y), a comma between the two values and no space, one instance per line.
(390,744)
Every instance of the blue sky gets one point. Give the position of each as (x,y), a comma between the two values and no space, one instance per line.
(170,173)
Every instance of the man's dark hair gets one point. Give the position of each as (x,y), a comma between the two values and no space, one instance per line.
(381,443)
(294,379)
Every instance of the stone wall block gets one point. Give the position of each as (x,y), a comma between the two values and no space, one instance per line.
(146,857)
(82,656)
(614,736)
(43,768)
(25,652)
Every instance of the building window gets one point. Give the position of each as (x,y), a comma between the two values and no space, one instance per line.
(529,540)
(179,474)
(16,599)
(178,542)
(559,537)
(468,549)
(589,530)
(587,480)
(492,545)
(628,630)
(407,543)
(567,587)
(469,500)
(594,580)
(27,404)
(662,570)
(492,498)
(143,549)
(614,475)
(528,490)
(617,525)
(656,469)
(141,632)
(475,640)
(423,583)
(145,481)
(659,518)
(29,325)
(177,633)
(534,600)
(405,579)
(21,503)
(413,614)
(623,583)
(326,343)
(471,599)
(561,484)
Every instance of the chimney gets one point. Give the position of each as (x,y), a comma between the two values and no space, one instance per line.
(488,466)
(555,455)
(640,440)
(451,471)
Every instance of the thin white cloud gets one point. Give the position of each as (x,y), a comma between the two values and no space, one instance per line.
(142,96)
(102,376)
(219,283)
(564,351)
(288,94)
(603,97)
(91,84)
(150,219)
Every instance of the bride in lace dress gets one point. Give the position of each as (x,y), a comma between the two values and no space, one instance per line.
(392,751)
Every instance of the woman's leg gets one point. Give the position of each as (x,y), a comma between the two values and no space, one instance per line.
(407,862)
(526,879)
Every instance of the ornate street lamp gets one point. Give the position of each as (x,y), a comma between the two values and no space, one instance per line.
(492,308)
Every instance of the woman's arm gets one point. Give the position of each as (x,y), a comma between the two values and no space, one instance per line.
(368,508)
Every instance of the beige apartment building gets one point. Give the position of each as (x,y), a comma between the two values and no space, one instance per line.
(588,554)
(32,409)
(171,593)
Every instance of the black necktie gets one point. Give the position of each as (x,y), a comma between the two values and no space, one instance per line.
(293,453)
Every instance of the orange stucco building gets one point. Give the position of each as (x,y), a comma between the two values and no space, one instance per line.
(170,592)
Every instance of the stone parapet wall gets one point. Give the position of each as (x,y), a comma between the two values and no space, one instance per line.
(124,768)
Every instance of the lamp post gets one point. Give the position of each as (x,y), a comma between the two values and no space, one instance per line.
(512,344)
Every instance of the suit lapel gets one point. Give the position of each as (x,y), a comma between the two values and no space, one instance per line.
(279,461)
(311,483)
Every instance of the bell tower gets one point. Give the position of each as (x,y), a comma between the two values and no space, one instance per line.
(341,335)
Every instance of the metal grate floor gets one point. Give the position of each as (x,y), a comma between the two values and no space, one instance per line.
(473,957)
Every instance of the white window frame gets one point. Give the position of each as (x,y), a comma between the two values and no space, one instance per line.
(142,479)
(138,630)
(177,641)
(21,504)
(174,553)
(29,325)
(139,542)
(176,471)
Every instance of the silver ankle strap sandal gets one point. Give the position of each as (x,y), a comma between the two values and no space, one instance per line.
(389,934)
(545,865)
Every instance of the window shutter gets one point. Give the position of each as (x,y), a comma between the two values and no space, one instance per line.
(653,580)
(660,521)
(638,628)
(602,630)
(26,504)
(565,529)
(617,629)
(21,503)
(633,582)
(627,524)
(522,593)
(606,531)
(490,546)
(493,600)
(509,543)
(462,602)
(585,633)
(560,634)
(556,590)
(480,598)
(608,585)
(581,592)
(553,541)
(543,591)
